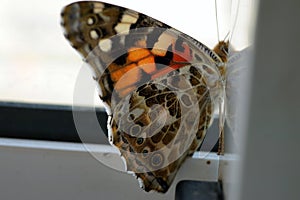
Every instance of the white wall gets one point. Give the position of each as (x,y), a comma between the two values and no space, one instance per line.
(271,160)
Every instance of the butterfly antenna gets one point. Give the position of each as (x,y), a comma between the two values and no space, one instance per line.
(217,23)
(227,36)
(235,19)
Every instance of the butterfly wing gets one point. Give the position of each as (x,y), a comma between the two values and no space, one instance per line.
(237,70)
(154,81)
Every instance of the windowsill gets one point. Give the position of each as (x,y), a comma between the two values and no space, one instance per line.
(54,162)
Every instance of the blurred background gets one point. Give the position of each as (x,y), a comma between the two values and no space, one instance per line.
(37,65)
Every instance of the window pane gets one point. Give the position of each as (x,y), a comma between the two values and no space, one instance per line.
(38,65)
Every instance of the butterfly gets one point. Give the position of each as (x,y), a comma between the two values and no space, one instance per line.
(160,86)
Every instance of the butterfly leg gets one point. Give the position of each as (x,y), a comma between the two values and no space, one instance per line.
(221,143)
(221,127)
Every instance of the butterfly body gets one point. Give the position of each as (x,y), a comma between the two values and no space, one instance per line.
(159,85)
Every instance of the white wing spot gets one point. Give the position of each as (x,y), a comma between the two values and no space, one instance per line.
(94,35)
(98,7)
(105,45)
(129,18)
(90,21)
(122,28)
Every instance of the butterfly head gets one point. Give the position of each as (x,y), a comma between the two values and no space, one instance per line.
(222,50)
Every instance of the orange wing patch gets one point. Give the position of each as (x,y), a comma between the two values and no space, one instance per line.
(127,81)
(126,77)
(142,61)
(120,71)
(148,65)
(135,54)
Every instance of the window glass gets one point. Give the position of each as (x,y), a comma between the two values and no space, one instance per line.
(37,65)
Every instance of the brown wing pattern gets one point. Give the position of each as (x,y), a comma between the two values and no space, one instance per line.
(155,82)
